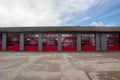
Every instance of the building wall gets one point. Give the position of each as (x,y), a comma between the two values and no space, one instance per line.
(100,41)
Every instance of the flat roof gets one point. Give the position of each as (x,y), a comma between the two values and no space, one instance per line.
(60,29)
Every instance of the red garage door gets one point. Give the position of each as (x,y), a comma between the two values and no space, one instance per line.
(31,42)
(0,42)
(13,41)
(113,41)
(50,42)
(69,42)
(88,42)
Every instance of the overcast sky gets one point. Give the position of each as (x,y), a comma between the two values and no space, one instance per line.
(59,12)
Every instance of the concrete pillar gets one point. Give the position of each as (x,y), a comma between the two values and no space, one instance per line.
(59,42)
(21,41)
(78,42)
(4,41)
(97,42)
(40,42)
(103,42)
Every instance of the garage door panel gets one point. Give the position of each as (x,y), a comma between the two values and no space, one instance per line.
(69,48)
(31,42)
(88,48)
(50,42)
(69,42)
(113,47)
(113,41)
(13,48)
(0,42)
(31,48)
(50,48)
(13,42)
(0,48)
(88,42)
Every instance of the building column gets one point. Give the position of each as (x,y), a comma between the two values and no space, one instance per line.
(4,41)
(97,42)
(78,42)
(103,42)
(21,42)
(59,42)
(40,42)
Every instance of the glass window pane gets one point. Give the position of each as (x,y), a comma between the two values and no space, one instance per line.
(0,39)
(113,39)
(88,40)
(31,40)
(69,40)
(50,39)
(13,40)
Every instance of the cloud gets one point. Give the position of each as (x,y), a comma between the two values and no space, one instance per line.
(101,24)
(82,19)
(70,7)
(25,13)
(85,18)
(110,14)
(41,12)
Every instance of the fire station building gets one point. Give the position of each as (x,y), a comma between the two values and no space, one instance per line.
(60,38)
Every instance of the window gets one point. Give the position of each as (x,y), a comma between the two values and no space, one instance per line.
(88,40)
(13,40)
(31,40)
(69,40)
(50,39)
(113,39)
(0,39)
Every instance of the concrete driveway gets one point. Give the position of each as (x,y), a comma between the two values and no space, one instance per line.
(59,66)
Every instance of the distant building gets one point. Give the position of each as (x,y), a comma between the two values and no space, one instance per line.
(60,38)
